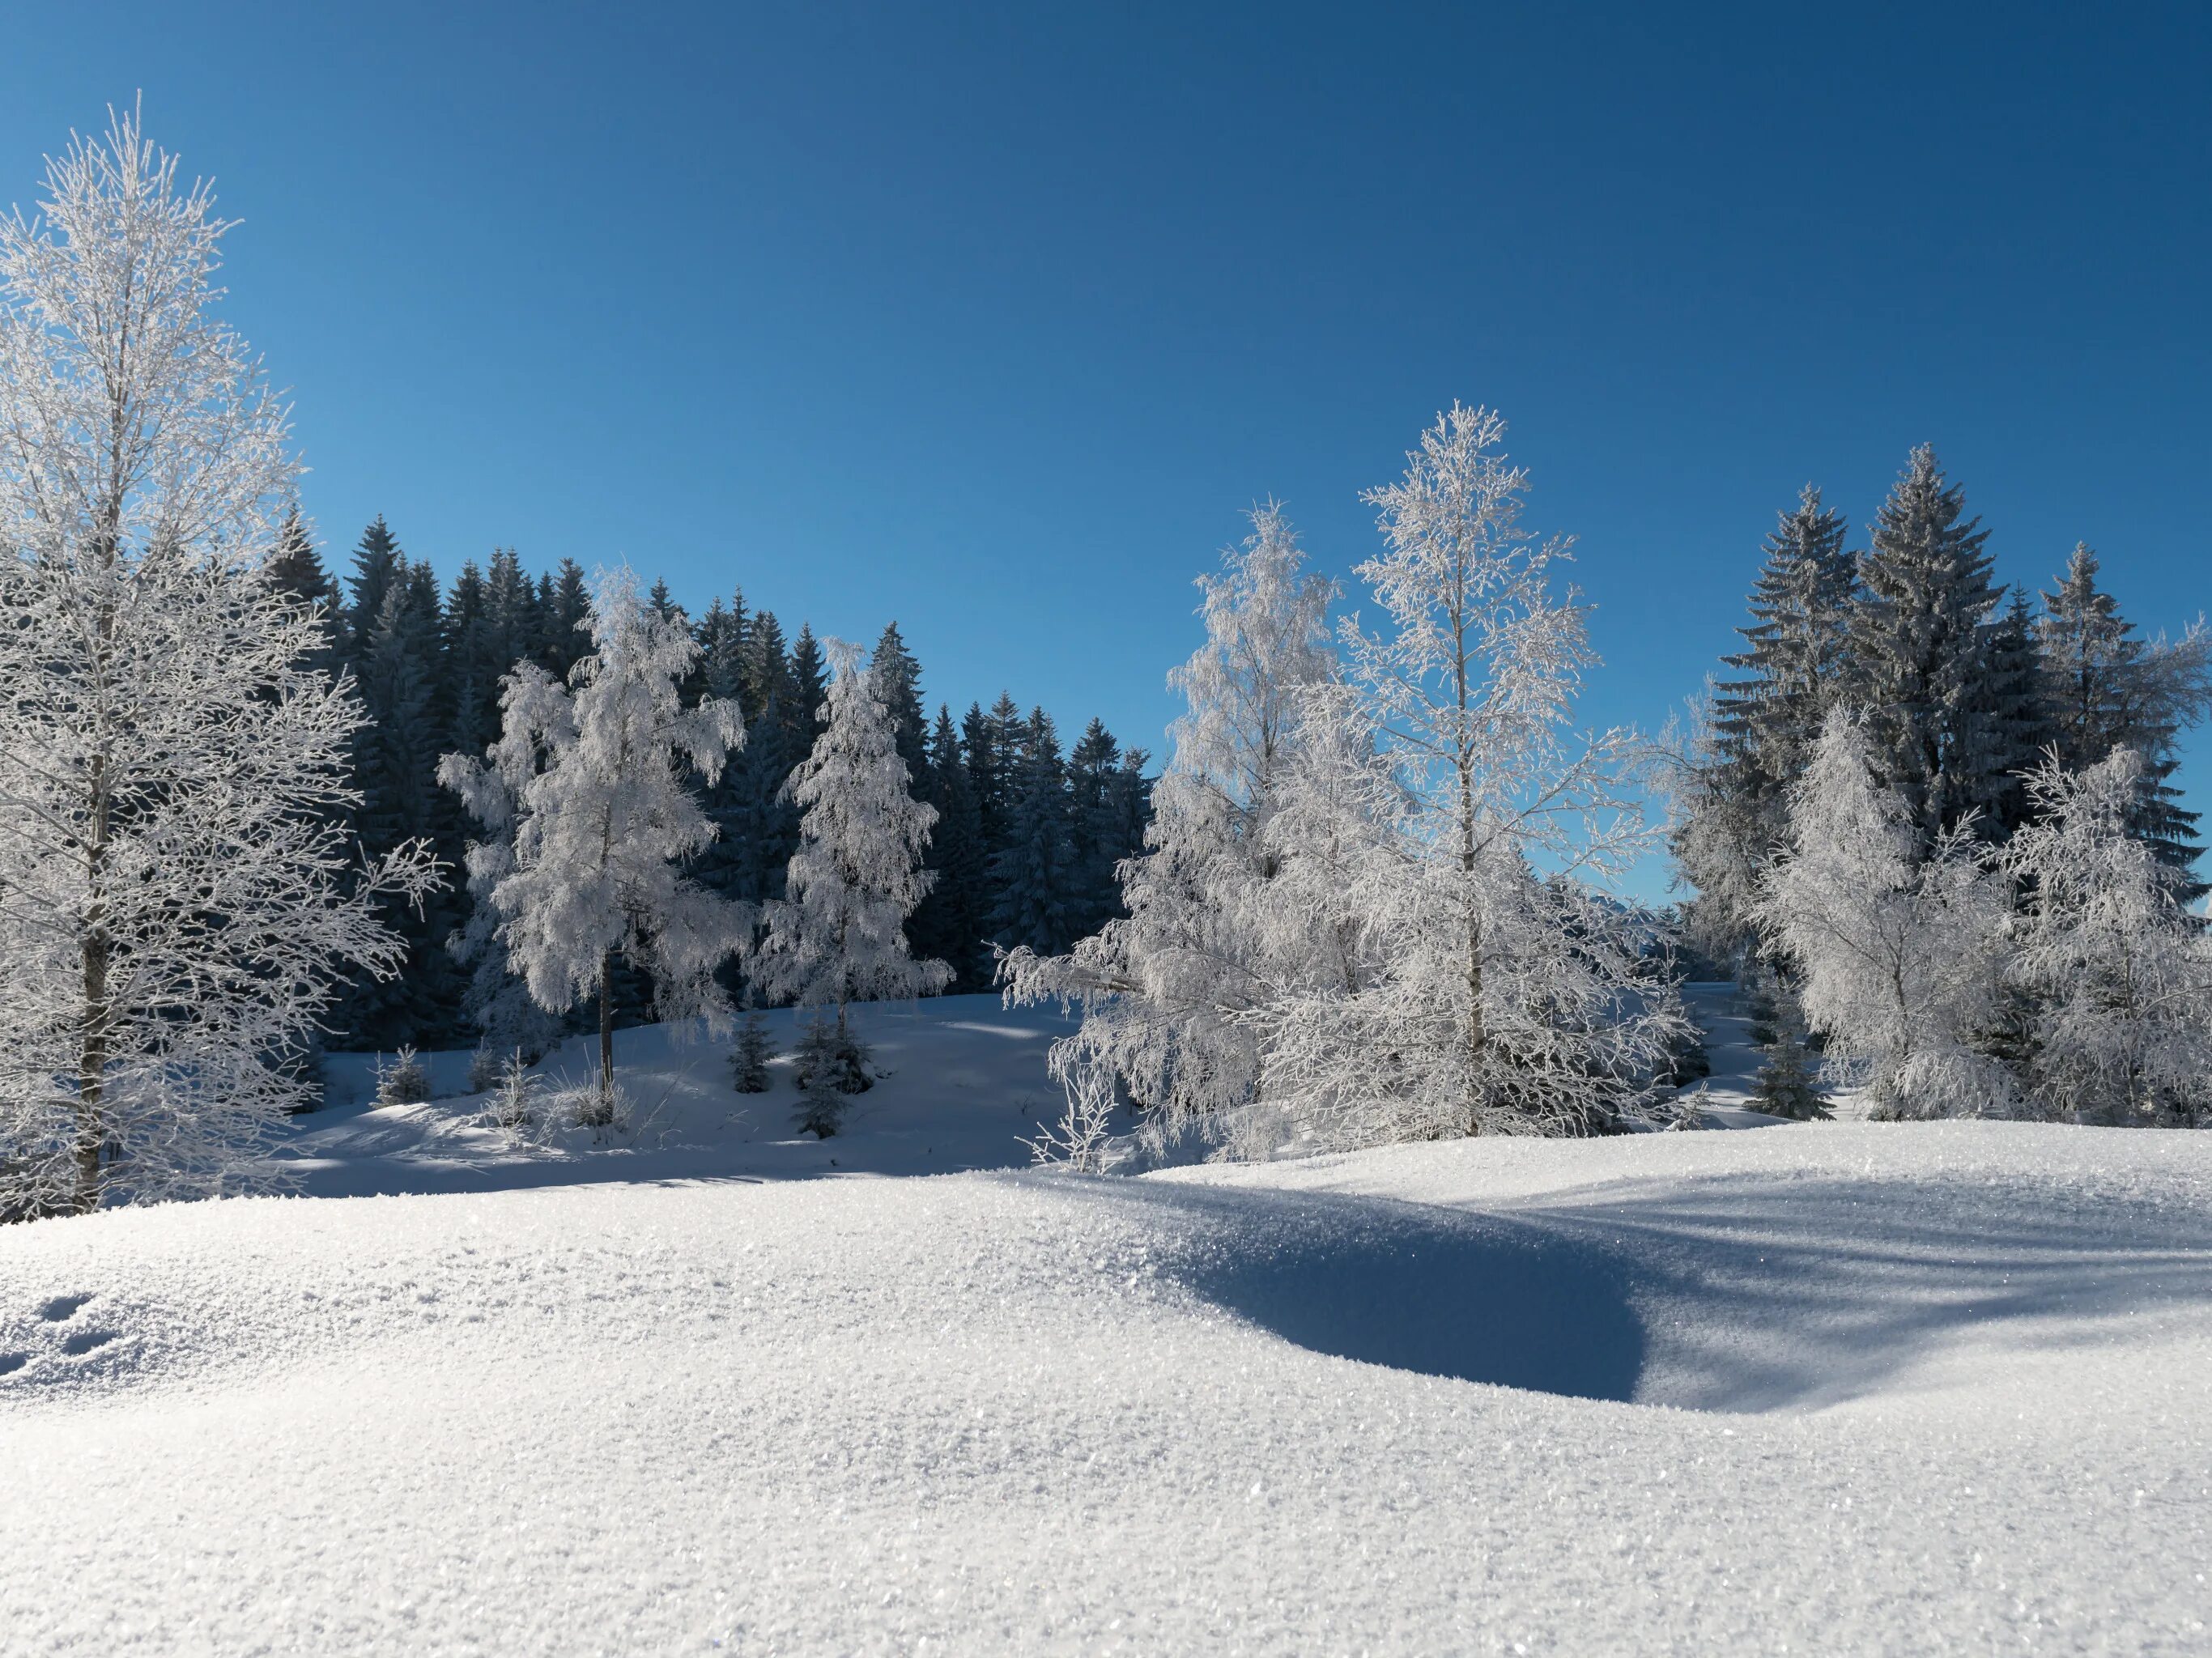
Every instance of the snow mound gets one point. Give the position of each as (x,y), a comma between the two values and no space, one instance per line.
(1957,1381)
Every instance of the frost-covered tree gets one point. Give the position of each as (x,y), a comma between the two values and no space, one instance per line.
(1760,725)
(1517,1001)
(1898,944)
(839,934)
(2118,969)
(593,773)
(1166,991)
(2106,688)
(175,905)
(1919,643)
(497,998)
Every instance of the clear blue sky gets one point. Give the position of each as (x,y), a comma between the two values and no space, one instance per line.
(992,320)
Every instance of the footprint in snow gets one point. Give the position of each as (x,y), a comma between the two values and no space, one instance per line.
(71,1344)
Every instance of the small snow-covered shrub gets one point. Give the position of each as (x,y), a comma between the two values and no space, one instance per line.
(1079,1140)
(748,1057)
(512,1102)
(405,1081)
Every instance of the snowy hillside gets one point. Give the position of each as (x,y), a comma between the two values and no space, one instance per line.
(1818,1389)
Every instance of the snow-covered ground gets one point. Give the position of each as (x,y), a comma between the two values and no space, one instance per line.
(1835,1388)
(963,1086)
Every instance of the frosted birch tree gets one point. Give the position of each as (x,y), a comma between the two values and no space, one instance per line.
(839,935)
(1899,942)
(604,819)
(1519,999)
(176,906)
(2118,970)
(1168,992)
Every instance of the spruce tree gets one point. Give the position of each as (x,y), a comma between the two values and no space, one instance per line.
(900,677)
(564,605)
(810,682)
(2018,718)
(1030,873)
(1094,829)
(375,562)
(2106,688)
(953,920)
(1795,664)
(296,570)
(1920,636)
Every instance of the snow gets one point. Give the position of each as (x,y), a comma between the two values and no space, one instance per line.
(1827,1387)
(961,1086)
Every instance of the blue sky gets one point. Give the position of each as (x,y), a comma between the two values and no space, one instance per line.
(993,319)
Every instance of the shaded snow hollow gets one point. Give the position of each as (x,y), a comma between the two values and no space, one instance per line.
(1836,1388)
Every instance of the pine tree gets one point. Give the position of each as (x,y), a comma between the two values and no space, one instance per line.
(806,711)
(2107,689)
(900,677)
(296,571)
(564,610)
(2018,718)
(819,1062)
(987,772)
(838,936)
(1920,646)
(376,562)
(1096,827)
(1032,876)
(1788,1083)
(750,1055)
(952,921)
(1761,726)
(174,914)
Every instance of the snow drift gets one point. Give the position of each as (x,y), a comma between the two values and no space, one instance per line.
(1951,1380)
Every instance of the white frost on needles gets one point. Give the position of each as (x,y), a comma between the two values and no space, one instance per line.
(839,936)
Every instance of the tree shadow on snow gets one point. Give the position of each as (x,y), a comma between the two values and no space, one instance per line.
(1476,1297)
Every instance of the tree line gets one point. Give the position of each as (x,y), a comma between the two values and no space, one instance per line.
(1027,835)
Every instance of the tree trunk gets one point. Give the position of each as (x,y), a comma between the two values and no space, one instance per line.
(99,1012)
(92,1072)
(607,1025)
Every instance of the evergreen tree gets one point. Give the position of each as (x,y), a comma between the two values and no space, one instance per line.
(395,765)
(564,605)
(1031,874)
(953,920)
(510,611)
(1096,827)
(2017,715)
(900,677)
(375,562)
(1920,647)
(987,773)
(1788,1083)
(1796,663)
(806,712)
(2105,687)
(839,934)
(296,571)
